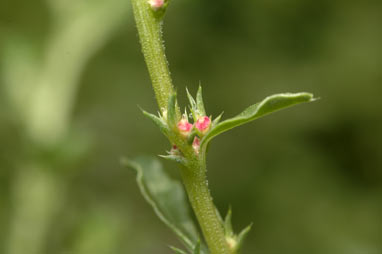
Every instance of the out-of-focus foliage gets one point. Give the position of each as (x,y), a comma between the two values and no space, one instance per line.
(71,75)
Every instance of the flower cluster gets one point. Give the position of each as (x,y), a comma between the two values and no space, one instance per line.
(201,126)
(179,130)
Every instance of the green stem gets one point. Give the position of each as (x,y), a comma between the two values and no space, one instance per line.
(149,24)
(150,33)
(199,195)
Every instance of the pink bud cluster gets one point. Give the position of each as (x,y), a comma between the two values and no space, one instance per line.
(184,127)
(156,4)
(203,124)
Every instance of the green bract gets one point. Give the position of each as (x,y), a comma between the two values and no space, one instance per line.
(234,241)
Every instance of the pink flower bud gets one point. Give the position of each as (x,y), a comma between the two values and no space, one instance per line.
(184,126)
(203,124)
(196,145)
(156,4)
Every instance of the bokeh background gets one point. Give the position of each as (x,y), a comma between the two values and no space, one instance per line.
(72,75)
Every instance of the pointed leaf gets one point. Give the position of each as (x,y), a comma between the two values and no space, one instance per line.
(241,237)
(197,248)
(175,158)
(219,216)
(228,223)
(167,198)
(199,102)
(217,119)
(185,115)
(268,105)
(158,121)
(177,251)
(191,99)
(171,111)
(193,107)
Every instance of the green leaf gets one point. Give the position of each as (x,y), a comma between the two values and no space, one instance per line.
(177,251)
(176,158)
(196,107)
(172,118)
(268,105)
(193,107)
(167,198)
(217,119)
(199,102)
(158,121)
(234,241)
(228,223)
(185,114)
(242,235)
(197,248)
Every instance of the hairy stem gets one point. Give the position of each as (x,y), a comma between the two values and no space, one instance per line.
(149,27)
(150,33)
(199,195)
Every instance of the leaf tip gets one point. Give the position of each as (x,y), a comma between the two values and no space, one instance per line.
(128,163)
(176,250)
(307,96)
(124,161)
(315,99)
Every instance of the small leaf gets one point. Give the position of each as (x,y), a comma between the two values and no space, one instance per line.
(197,248)
(234,241)
(175,158)
(219,216)
(177,251)
(172,118)
(228,223)
(167,198)
(241,237)
(185,115)
(158,121)
(193,107)
(217,119)
(268,105)
(199,102)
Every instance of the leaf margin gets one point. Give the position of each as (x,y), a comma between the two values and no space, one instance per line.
(256,111)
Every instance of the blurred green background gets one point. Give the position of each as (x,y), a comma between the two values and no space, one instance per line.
(72,75)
